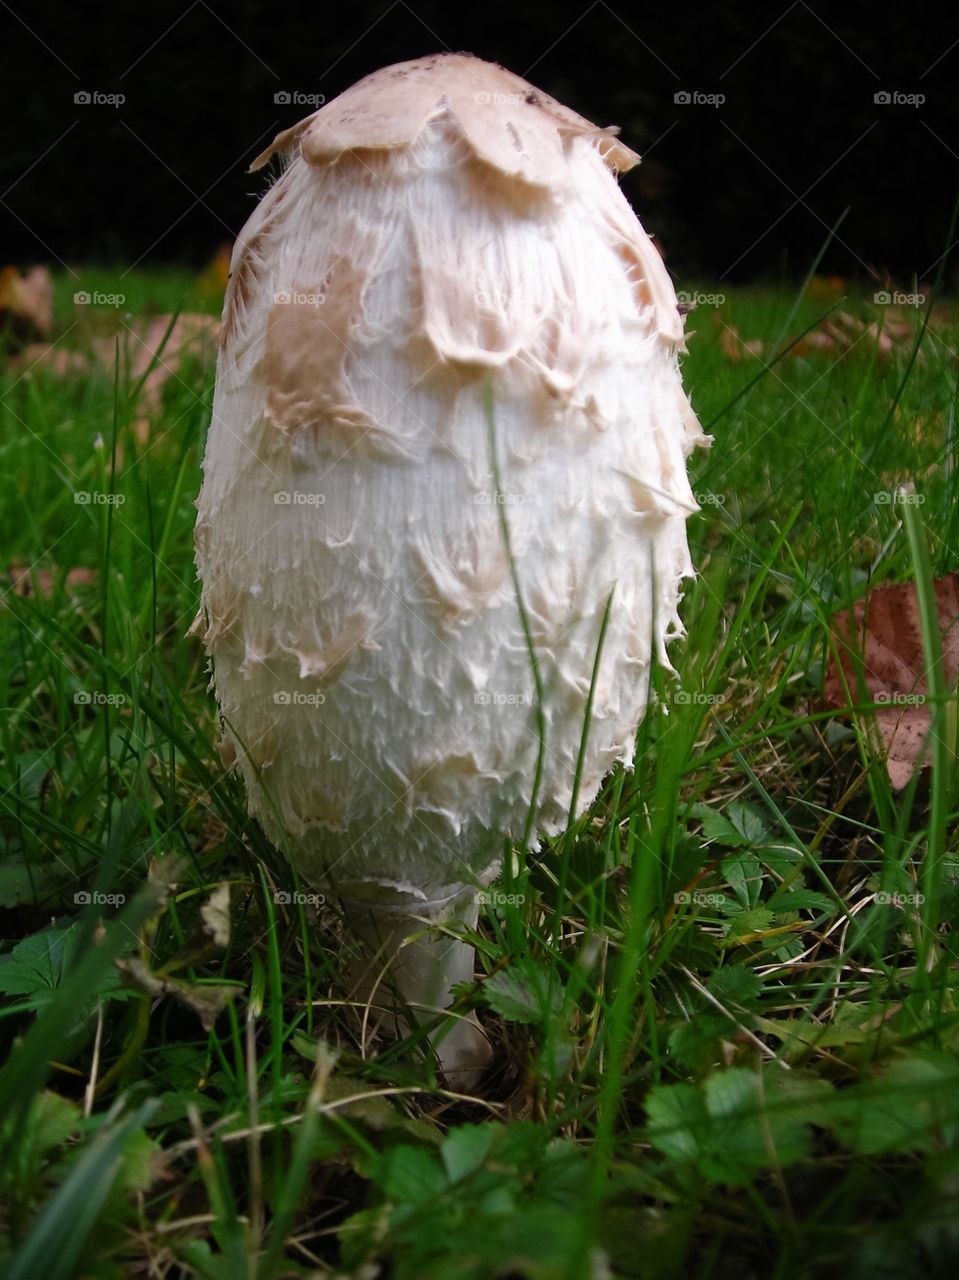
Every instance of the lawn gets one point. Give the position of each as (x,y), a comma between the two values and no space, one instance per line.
(724,1002)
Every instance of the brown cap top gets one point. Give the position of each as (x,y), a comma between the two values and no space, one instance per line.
(506,121)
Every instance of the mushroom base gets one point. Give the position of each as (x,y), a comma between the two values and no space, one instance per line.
(404,948)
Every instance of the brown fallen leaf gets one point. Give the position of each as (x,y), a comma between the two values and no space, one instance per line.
(193,336)
(815,340)
(882,631)
(206,1001)
(841,332)
(27,581)
(26,303)
(736,348)
(215,914)
(60,361)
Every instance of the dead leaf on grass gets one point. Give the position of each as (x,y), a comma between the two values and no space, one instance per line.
(26,303)
(882,633)
(736,348)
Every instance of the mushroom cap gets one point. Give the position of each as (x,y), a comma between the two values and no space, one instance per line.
(527,140)
(439,228)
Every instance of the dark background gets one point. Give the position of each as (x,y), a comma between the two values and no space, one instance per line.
(742,191)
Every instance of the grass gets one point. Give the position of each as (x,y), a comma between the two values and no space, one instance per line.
(724,1002)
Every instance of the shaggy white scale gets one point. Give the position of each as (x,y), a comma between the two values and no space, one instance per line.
(440,228)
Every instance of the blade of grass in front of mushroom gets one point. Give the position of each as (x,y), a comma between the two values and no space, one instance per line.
(418,1034)
(653,811)
(160,550)
(275,1014)
(941,749)
(105,576)
(539,716)
(645,844)
(553,938)
(569,837)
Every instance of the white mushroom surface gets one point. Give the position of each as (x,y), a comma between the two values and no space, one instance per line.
(441,233)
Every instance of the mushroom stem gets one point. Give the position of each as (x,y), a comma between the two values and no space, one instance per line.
(402,950)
